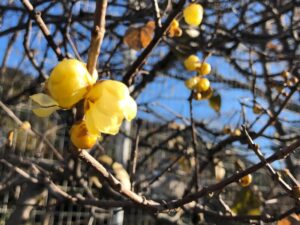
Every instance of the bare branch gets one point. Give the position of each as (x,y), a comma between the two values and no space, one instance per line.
(38,18)
(97,34)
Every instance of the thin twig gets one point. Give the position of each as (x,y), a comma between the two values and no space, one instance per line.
(249,219)
(137,65)
(194,143)
(156,206)
(35,15)
(134,154)
(163,171)
(19,171)
(156,14)
(275,175)
(31,131)
(29,52)
(282,106)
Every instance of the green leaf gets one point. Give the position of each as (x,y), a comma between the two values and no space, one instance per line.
(215,102)
(43,100)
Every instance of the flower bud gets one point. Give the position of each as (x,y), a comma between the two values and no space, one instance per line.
(246,180)
(80,136)
(191,63)
(191,82)
(202,85)
(204,69)
(193,14)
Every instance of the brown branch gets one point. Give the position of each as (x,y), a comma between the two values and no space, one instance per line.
(31,131)
(134,154)
(273,173)
(156,206)
(158,147)
(282,106)
(35,15)
(29,52)
(19,171)
(97,35)
(67,32)
(194,143)
(113,182)
(235,177)
(233,83)
(41,178)
(163,171)
(248,218)
(138,64)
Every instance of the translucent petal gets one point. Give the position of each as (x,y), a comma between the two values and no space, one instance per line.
(117,88)
(45,112)
(130,110)
(109,103)
(113,130)
(90,123)
(108,124)
(98,121)
(43,100)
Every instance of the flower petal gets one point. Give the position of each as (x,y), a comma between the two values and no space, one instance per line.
(45,112)
(117,88)
(97,122)
(130,109)
(109,104)
(43,100)
(108,124)
(90,123)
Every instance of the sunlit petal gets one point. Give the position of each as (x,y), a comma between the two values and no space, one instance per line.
(131,109)
(106,105)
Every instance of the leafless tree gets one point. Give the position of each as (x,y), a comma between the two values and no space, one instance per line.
(186,160)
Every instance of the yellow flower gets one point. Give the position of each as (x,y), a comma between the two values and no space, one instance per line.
(193,14)
(202,85)
(69,82)
(192,82)
(174,30)
(191,63)
(246,180)
(204,69)
(80,136)
(106,105)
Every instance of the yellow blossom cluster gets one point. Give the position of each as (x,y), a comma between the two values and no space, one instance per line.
(106,102)
(199,84)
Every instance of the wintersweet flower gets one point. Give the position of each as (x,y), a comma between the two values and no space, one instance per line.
(192,62)
(69,82)
(193,14)
(106,105)
(80,136)
(174,30)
